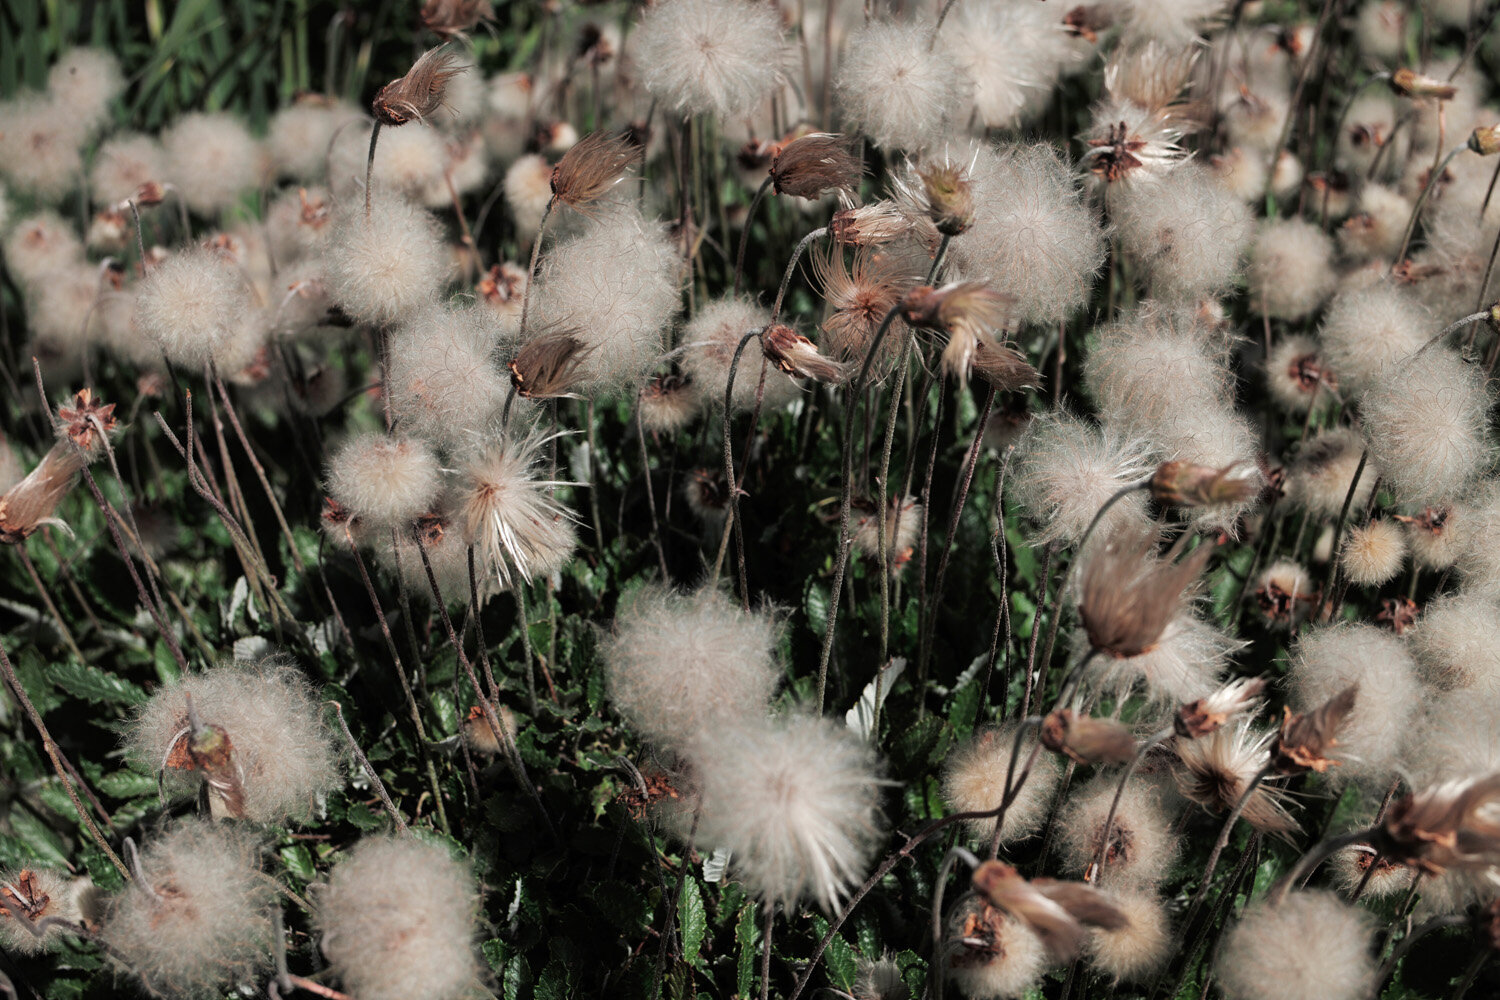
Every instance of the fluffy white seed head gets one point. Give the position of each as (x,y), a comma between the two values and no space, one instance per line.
(193,306)
(35,895)
(445,384)
(298,225)
(1033,238)
(384,481)
(385,268)
(1137,950)
(123,163)
(282,751)
(1310,946)
(1298,374)
(718,57)
(1456,643)
(896,90)
(1427,421)
(1240,171)
(212,158)
(1350,867)
(1368,128)
(510,515)
(1368,331)
(795,800)
(1141,846)
(39,148)
(1373,553)
(1291,269)
(1455,737)
(298,137)
(1375,231)
(1186,663)
(1330,659)
(528,189)
(1318,478)
(1380,29)
(1066,468)
(11,469)
(1012,54)
(615,287)
(62,310)
(1477,524)
(709,343)
(397,919)
(85,82)
(681,665)
(974,781)
(880,979)
(1177,22)
(989,954)
(40,244)
(200,920)
(1187,232)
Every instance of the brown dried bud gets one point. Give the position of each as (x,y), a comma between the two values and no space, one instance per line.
(86,422)
(1453,825)
(1057,912)
(212,753)
(419,94)
(594,164)
(1305,739)
(871,225)
(1128,595)
(814,164)
(1085,739)
(548,367)
(1400,613)
(943,192)
(455,18)
(1184,484)
(148,194)
(429,529)
(1087,22)
(1410,83)
(794,354)
(1485,140)
(1201,717)
(505,283)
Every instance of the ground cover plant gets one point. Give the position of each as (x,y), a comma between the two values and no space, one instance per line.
(721,498)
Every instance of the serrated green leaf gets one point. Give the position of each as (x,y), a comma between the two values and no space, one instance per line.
(746,935)
(92,684)
(39,837)
(363,817)
(692,919)
(555,982)
(516,983)
(839,959)
(126,784)
(815,605)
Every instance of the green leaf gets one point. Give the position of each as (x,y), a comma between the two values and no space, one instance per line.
(38,836)
(815,605)
(126,784)
(363,817)
(299,861)
(839,959)
(692,919)
(93,684)
(516,983)
(31,671)
(746,935)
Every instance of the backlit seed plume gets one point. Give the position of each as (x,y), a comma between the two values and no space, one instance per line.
(1290,270)
(1350,866)
(681,665)
(384,481)
(1308,946)
(895,89)
(1128,594)
(592,167)
(989,954)
(30,503)
(1456,643)
(212,158)
(33,896)
(880,223)
(198,919)
(709,341)
(397,919)
(1307,738)
(517,527)
(667,404)
(974,781)
(419,94)
(616,285)
(1373,553)
(1057,912)
(1067,468)
(1205,715)
(1186,233)
(1138,949)
(1451,825)
(880,979)
(1141,846)
(1012,53)
(718,57)
(964,312)
(274,759)
(1137,128)
(1372,330)
(816,164)
(939,190)
(382,268)
(1427,422)
(860,294)
(1185,484)
(192,306)
(1299,374)
(1214,772)
(1174,21)
(795,355)
(796,802)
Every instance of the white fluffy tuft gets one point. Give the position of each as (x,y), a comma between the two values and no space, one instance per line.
(974,781)
(896,90)
(1373,553)
(384,481)
(211,158)
(1457,643)
(709,343)
(1067,468)
(1012,53)
(193,306)
(1137,950)
(718,57)
(444,383)
(1427,422)
(1310,946)
(1291,269)
(384,268)
(1186,232)
(1141,846)
(1368,331)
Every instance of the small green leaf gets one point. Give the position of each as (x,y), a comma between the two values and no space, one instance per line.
(815,604)
(93,684)
(38,836)
(692,919)
(516,983)
(126,784)
(299,861)
(746,935)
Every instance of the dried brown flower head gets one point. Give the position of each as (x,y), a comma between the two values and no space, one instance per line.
(419,94)
(24,897)
(455,18)
(1128,594)
(29,504)
(1085,739)
(960,303)
(1087,21)
(1057,912)
(1485,140)
(148,195)
(1114,155)
(1003,367)
(1201,717)
(1305,739)
(797,356)
(1432,520)
(1185,484)
(504,284)
(860,295)
(941,191)
(1455,824)
(86,422)
(1410,83)
(813,165)
(878,223)
(594,164)
(1400,613)
(549,366)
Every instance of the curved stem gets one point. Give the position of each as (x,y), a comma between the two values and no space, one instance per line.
(729,479)
(1411,223)
(786,278)
(1114,805)
(1315,857)
(1223,842)
(1338,532)
(739,258)
(536,249)
(370,166)
(1459,325)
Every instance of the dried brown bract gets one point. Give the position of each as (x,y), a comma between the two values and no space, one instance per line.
(1215,770)
(797,356)
(1087,22)
(549,366)
(29,504)
(594,164)
(1187,485)
(1087,740)
(1485,140)
(1128,594)
(1410,83)
(815,164)
(455,18)
(1452,825)
(1305,739)
(878,223)
(1057,912)
(504,284)
(969,303)
(86,422)
(1004,368)
(1400,613)
(1201,717)
(419,94)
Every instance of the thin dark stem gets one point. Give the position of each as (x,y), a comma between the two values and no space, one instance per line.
(370,772)
(1223,841)
(370,166)
(1315,857)
(536,249)
(1338,531)
(767,925)
(640,434)
(739,257)
(786,278)
(1416,211)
